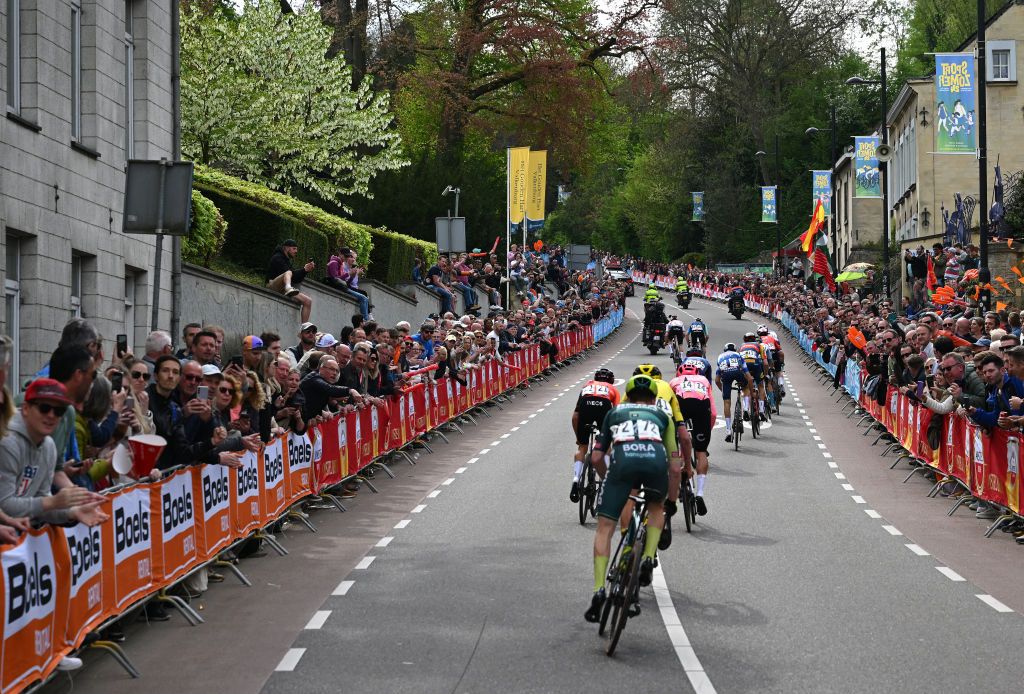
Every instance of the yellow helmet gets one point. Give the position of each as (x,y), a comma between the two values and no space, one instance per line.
(647,370)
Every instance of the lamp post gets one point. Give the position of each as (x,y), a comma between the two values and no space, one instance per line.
(883,169)
(760,154)
(832,177)
(984,277)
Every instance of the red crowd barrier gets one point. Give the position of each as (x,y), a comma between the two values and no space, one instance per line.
(60,583)
(987,463)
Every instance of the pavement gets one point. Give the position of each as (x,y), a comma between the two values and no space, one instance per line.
(815,570)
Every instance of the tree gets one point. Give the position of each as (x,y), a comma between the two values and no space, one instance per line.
(261,100)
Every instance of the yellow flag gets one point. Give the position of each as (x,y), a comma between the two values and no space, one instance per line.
(518,163)
(537,181)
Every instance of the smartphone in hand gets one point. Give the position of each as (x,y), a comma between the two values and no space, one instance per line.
(203,393)
(122,346)
(116,381)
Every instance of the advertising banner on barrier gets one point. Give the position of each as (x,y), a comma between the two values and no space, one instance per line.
(128,537)
(213,486)
(299,462)
(174,519)
(331,465)
(86,594)
(272,484)
(245,494)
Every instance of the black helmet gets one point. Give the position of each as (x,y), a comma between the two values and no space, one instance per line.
(605,376)
(695,352)
(730,347)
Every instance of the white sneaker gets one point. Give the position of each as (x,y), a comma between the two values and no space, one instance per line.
(68,663)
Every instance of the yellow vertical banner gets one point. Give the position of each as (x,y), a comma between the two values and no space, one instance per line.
(537,187)
(518,163)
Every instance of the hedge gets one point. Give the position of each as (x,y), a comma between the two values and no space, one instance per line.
(260,219)
(206,233)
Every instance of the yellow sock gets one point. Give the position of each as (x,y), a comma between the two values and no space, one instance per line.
(600,571)
(651,544)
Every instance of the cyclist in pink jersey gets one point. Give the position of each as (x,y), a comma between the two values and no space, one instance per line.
(694,394)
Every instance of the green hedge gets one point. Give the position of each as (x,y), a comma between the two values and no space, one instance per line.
(206,233)
(260,219)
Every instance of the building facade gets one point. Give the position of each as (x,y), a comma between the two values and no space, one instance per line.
(858,221)
(921,182)
(86,85)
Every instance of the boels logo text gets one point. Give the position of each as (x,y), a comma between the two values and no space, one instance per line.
(273,466)
(131,526)
(86,555)
(215,493)
(248,481)
(29,588)
(176,506)
(300,452)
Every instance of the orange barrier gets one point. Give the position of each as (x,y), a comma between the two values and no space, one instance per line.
(60,583)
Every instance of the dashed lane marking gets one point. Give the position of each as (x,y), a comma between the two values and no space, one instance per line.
(448,481)
(364,563)
(290,660)
(993,603)
(434,494)
(343,588)
(461,470)
(872,513)
(848,487)
(485,451)
(402,523)
(471,461)
(318,619)
(892,530)
(419,509)
(917,549)
(950,574)
(858,499)
(384,541)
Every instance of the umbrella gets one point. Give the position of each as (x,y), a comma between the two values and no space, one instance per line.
(858,267)
(851,277)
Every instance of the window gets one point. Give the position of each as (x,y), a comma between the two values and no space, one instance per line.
(14,56)
(129,307)
(76,71)
(129,81)
(12,307)
(76,285)
(1001,61)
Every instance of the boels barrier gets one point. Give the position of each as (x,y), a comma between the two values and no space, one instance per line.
(61,583)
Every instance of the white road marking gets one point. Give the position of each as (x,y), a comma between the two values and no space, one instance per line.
(802,411)
(495,443)
(848,487)
(809,423)
(950,574)
(833,465)
(343,588)
(840,476)
(891,529)
(816,438)
(547,404)
(364,563)
(680,642)
(858,499)
(318,619)
(993,603)
(448,481)
(525,421)
(485,451)
(918,550)
(872,513)
(813,431)
(822,446)
(471,461)
(539,411)
(290,660)
(419,509)
(384,541)
(461,470)
(514,429)
(434,494)
(827,455)
(504,436)
(402,523)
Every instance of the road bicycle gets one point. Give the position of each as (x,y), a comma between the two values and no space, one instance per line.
(755,411)
(590,484)
(687,499)
(675,350)
(737,417)
(622,586)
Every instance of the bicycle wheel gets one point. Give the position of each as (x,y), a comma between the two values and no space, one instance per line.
(687,500)
(755,417)
(630,585)
(693,507)
(595,485)
(612,584)
(584,499)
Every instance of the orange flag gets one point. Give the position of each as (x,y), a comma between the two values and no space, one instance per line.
(1016,270)
(1000,306)
(817,222)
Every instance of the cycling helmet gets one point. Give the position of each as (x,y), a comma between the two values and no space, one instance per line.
(695,352)
(605,376)
(647,370)
(762,330)
(687,370)
(730,347)
(749,336)
(642,383)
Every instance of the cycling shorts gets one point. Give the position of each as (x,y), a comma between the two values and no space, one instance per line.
(591,416)
(642,468)
(698,414)
(730,377)
(756,370)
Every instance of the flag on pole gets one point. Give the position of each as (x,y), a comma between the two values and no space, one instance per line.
(932,281)
(817,222)
(821,267)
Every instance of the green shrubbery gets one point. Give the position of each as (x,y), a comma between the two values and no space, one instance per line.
(206,234)
(260,219)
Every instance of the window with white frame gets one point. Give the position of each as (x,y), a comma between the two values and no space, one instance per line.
(129,80)
(12,307)
(76,70)
(14,55)
(1001,61)
(76,285)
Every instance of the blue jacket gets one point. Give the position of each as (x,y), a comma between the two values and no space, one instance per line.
(999,401)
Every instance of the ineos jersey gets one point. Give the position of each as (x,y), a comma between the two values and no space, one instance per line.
(597,394)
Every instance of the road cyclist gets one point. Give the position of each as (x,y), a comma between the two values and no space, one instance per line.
(778,361)
(698,334)
(697,404)
(675,334)
(640,438)
(732,369)
(755,355)
(597,398)
(695,357)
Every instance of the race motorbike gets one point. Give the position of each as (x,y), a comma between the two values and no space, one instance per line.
(736,306)
(654,337)
(683,299)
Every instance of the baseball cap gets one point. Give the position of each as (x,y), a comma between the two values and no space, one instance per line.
(252,342)
(289,242)
(308,326)
(326,340)
(211,370)
(47,389)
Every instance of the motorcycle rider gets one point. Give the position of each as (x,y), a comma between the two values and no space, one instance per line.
(652,293)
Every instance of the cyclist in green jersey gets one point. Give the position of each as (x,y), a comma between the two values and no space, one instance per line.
(639,436)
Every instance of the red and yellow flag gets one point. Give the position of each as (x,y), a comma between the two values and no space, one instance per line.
(817,222)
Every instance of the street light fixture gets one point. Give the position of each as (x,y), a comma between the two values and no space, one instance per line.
(761,154)
(833,222)
(883,169)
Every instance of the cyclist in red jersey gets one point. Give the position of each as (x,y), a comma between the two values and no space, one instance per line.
(597,398)
(696,402)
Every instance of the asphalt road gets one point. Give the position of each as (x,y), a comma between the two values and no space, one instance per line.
(470,573)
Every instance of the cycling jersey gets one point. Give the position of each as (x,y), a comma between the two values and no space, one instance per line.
(666,401)
(676,325)
(753,353)
(697,406)
(731,363)
(697,328)
(596,400)
(702,365)
(641,438)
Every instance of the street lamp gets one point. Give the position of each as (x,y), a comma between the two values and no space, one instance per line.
(984,276)
(832,177)
(883,169)
(760,154)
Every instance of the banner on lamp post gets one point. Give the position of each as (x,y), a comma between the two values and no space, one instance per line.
(821,184)
(698,206)
(955,103)
(769,204)
(865,167)
(518,164)
(536,187)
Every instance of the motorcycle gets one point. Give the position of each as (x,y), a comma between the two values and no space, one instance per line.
(736,307)
(683,299)
(654,337)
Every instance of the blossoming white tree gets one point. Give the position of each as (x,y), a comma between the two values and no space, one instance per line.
(260,100)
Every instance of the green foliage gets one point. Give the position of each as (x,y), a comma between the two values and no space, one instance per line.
(695,259)
(936,26)
(262,218)
(209,229)
(261,100)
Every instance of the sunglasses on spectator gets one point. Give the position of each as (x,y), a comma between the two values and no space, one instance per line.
(944,369)
(227,391)
(143,374)
(191,378)
(47,408)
